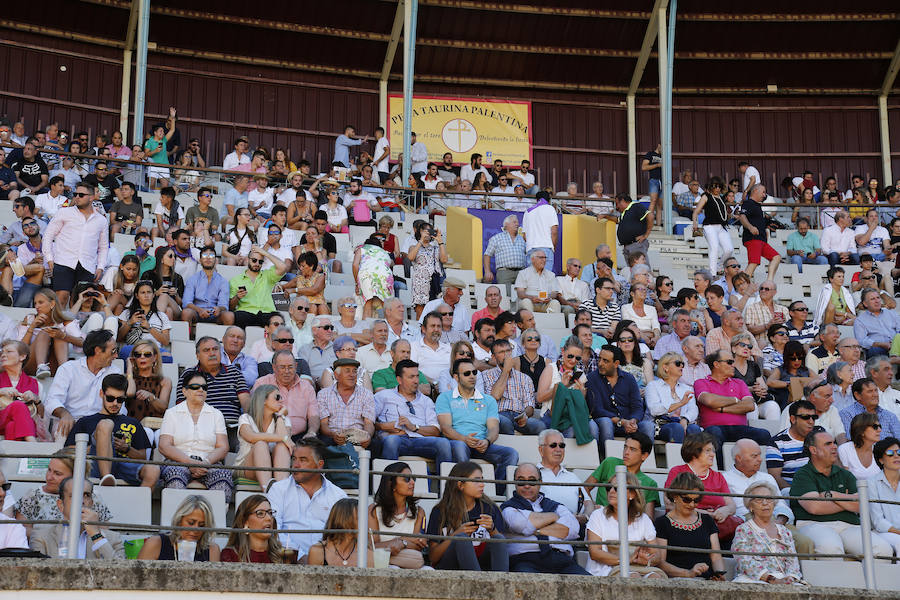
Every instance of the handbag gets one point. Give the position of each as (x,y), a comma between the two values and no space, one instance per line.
(280,298)
(408,559)
(233,249)
(134,335)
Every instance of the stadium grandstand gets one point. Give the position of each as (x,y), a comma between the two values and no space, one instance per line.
(593,291)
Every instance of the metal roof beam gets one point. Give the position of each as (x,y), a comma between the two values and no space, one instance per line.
(537,10)
(891,74)
(788,18)
(646,46)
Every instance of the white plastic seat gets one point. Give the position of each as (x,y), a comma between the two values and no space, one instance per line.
(833,573)
(210,329)
(127,504)
(418,467)
(27,469)
(180,331)
(184,353)
(673,455)
(487,472)
(172,499)
(617,448)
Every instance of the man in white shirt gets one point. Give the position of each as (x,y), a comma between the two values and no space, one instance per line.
(418,156)
(48,204)
(536,286)
(75,391)
(484,337)
(453,292)
(274,246)
(748,458)
(76,243)
(187,259)
(303,500)
(540,224)
(871,238)
(382,155)
(377,355)
(239,156)
(524,177)
(398,328)
(503,187)
(467,172)
(839,241)
(433,356)
(553,471)
(881,371)
(750,176)
(682,186)
(572,290)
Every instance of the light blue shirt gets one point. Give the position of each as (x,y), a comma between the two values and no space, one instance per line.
(469,416)
(296,509)
(342,149)
(884,516)
(236,199)
(247,365)
(205,293)
(869,328)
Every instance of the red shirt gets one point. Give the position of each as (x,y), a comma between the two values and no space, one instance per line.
(714,482)
(26,383)
(484,313)
(731,387)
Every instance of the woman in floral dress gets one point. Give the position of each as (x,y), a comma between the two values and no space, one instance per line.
(425,255)
(372,269)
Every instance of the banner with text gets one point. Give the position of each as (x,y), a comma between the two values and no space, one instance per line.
(496,129)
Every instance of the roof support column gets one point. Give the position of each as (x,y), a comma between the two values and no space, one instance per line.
(126,69)
(632,147)
(140,83)
(886,170)
(410,13)
(387,64)
(665,110)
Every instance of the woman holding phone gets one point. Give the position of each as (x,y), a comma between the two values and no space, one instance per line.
(426,255)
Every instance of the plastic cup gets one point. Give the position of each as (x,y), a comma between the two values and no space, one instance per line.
(186,551)
(381,558)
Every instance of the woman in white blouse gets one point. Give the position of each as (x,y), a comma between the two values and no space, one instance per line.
(671,402)
(265,439)
(857,454)
(643,315)
(886,517)
(193,434)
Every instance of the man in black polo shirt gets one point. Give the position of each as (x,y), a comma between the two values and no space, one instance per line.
(227,391)
(106,184)
(755,237)
(833,524)
(31,171)
(635,224)
(320,222)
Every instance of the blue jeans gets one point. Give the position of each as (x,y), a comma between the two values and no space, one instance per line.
(570,431)
(878,257)
(533,426)
(802,260)
(875,351)
(835,259)
(437,448)
(608,431)
(655,185)
(547,251)
(674,432)
(499,456)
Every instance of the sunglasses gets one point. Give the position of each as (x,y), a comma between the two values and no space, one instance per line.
(256,261)
(795,357)
(208,255)
(447,314)
(691,499)
(781,333)
(802,309)
(303,308)
(6,485)
(274,232)
(556,445)
(679,363)
(667,283)
(289,340)
(465,355)
(197,386)
(729,361)
(81,195)
(143,354)
(325,327)
(876,426)
(524,482)
(533,338)
(116,399)
(571,356)
(808,417)
(468,373)
(744,345)
(406,478)
(351,305)
(628,339)
(886,453)
(766,289)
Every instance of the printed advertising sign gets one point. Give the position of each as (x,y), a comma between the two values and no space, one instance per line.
(496,129)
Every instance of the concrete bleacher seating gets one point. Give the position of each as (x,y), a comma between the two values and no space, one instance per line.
(26,469)
(172,498)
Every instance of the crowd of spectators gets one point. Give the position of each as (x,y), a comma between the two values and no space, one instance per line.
(645,360)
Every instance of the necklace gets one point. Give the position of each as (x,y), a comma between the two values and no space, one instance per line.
(693,526)
(342,557)
(702,477)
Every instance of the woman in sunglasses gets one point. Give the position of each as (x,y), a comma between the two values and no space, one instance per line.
(169,285)
(857,455)
(265,439)
(773,353)
(671,402)
(886,486)
(193,434)
(395,509)
(148,389)
(761,533)
(255,512)
(747,369)
(687,527)
(793,365)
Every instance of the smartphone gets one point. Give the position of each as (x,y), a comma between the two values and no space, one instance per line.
(119,435)
(243,288)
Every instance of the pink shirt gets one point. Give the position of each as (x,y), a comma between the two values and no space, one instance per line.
(731,387)
(26,383)
(299,399)
(714,482)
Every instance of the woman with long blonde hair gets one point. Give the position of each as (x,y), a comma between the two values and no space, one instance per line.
(254,512)
(264,437)
(50,328)
(194,511)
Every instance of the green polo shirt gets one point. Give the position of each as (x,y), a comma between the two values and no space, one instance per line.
(259,292)
(386,378)
(147,264)
(808,479)
(607,469)
(808,243)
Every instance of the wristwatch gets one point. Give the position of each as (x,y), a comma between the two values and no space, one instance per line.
(405,543)
(827,494)
(416,429)
(97,537)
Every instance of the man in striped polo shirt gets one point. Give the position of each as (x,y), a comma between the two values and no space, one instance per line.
(786,455)
(227,391)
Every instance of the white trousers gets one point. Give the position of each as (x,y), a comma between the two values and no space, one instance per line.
(837,537)
(719,245)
